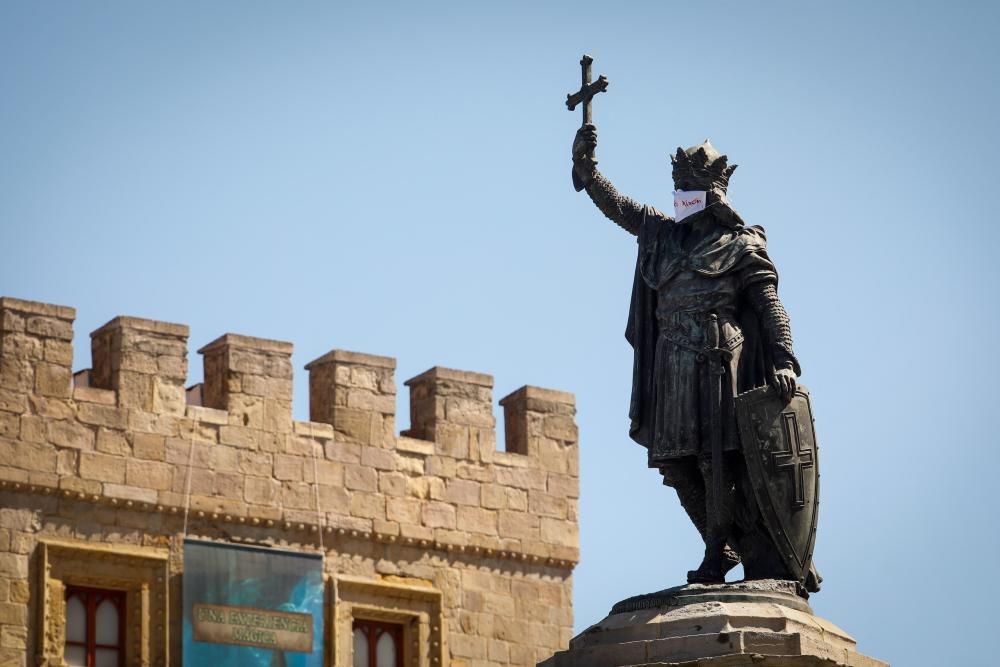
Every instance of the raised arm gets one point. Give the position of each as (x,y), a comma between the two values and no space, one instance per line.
(623,211)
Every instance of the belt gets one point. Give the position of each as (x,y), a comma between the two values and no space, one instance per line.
(682,342)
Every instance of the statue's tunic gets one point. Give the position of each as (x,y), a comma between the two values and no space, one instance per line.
(676,288)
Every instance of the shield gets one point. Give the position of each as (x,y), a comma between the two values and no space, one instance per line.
(779,445)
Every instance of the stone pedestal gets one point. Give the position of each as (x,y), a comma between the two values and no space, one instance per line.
(751,624)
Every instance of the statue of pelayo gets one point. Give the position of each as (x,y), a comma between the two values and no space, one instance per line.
(715,398)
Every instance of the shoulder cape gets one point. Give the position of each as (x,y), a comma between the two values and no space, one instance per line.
(659,259)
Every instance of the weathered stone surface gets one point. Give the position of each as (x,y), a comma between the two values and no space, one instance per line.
(695,628)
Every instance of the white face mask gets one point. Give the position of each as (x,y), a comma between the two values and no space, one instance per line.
(688,202)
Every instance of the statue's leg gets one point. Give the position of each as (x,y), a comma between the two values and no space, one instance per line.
(720,557)
(687,479)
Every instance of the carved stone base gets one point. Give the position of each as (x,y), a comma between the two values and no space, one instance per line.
(746,624)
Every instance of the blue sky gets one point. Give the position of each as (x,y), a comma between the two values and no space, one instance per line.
(394,178)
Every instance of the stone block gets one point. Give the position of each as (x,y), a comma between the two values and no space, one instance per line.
(102,467)
(239,436)
(13,566)
(13,401)
(207,415)
(392,484)
(416,532)
(151,446)
(229,485)
(13,613)
(403,510)
(20,591)
(148,474)
(343,451)
(181,451)
(493,496)
(28,455)
(334,498)
(359,478)
(467,646)
(462,492)
(559,531)
(288,468)
(13,638)
(10,425)
(53,380)
(261,490)
(328,472)
(380,459)
(435,514)
(546,505)
(368,505)
(522,478)
(16,375)
(477,520)
(133,493)
(297,495)
(94,395)
(519,525)
(563,485)
(102,415)
(258,464)
(71,435)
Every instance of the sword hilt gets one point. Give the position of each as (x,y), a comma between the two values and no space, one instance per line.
(713,338)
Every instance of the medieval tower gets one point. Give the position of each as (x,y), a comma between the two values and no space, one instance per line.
(464,550)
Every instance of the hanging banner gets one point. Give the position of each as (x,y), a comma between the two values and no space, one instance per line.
(252,606)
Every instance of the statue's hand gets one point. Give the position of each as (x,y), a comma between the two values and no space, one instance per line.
(783,380)
(584,164)
(585,142)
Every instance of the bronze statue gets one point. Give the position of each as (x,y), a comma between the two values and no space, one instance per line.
(715,399)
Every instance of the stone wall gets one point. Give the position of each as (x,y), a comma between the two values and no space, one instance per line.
(475,546)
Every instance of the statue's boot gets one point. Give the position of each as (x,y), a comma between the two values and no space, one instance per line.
(717,532)
(714,567)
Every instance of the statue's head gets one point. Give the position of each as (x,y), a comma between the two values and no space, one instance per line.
(701,167)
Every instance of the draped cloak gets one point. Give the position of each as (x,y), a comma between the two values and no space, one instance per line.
(726,250)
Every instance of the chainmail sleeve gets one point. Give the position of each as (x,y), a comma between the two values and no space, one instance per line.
(623,211)
(763,296)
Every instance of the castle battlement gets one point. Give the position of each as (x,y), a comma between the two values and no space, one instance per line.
(129,434)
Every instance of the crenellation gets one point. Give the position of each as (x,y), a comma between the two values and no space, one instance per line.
(143,361)
(356,394)
(454,410)
(36,354)
(250,378)
(125,438)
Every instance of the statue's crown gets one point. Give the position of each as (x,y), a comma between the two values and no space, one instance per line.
(703,166)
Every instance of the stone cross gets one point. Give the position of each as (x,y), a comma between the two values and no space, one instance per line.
(587,90)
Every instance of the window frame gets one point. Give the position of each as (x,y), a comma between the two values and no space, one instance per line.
(373,631)
(92,598)
(141,572)
(417,608)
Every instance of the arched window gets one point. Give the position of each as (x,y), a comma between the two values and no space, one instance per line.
(95,627)
(377,644)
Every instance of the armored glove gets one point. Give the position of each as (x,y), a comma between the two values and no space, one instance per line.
(584,162)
